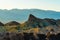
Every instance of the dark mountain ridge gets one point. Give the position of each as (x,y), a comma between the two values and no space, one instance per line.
(37,22)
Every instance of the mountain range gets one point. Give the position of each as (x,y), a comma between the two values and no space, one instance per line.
(21,15)
(32,18)
(35,22)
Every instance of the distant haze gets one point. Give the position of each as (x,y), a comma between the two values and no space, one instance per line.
(21,15)
(29,4)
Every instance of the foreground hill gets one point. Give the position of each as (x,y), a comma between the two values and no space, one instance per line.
(12,23)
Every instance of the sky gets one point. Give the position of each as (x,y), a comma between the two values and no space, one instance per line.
(29,4)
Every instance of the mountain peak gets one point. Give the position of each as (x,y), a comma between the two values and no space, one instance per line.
(31,17)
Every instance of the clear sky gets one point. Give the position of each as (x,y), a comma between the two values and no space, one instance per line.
(29,4)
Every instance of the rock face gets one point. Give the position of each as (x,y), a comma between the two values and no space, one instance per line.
(12,23)
(51,21)
(33,21)
(58,22)
(1,24)
(37,22)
